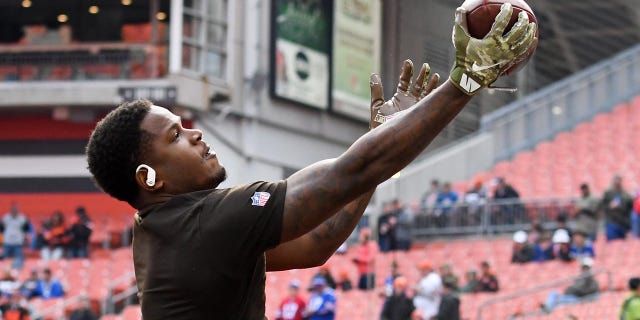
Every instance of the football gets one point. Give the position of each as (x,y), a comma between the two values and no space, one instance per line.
(482,13)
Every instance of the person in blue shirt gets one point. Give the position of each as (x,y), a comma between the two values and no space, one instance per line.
(445,202)
(47,287)
(322,303)
(580,246)
(543,249)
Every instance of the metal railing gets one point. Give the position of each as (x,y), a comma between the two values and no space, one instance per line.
(85,61)
(540,288)
(561,106)
(486,217)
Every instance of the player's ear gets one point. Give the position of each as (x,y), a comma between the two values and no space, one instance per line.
(147,179)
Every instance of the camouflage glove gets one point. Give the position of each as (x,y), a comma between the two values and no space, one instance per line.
(479,62)
(404,97)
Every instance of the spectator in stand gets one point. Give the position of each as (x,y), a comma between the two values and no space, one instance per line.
(386,228)
(536,231)
(561,224)
(80,232)
(471,285)
(322,303)
(635,216)
(562,245)
(428,201)
(474,199)
(449,305)
(48,287)
(522,250)
(447,275)
(84,312)
(325,272)
(445,202)
(55,238)
(364,260)
(488,281)
(15,308)
(8,283)
(543,249)
(581,247)
(403,233)
(630,309)
(587,215)
(345,282)
(28,287)
(14,229)
(389,280)
(507,211)
(585,285)
(428,291)
(617,204)
(398,306)
(292,306)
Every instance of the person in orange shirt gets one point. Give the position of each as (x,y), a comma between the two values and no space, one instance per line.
(55,238)
(364,260)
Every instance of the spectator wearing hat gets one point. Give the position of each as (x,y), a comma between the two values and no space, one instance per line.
(630,309)
(561,224)
(449,305)
(292,306)
(428,290)
(322,303)
(488,281)
(364,260)
(580,245)
(562,245)
(587,215)
(398,306)
(585,285)
(522,250)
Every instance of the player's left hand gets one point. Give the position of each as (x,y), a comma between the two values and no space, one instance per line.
(406,94)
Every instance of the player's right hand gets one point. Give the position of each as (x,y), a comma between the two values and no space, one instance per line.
(479,62)
(406,94)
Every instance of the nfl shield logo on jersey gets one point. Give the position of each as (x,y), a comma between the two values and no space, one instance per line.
(260,199)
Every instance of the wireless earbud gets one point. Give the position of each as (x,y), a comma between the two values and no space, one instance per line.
(151,174)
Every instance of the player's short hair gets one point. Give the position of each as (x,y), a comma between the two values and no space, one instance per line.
(634,283)
(114,149)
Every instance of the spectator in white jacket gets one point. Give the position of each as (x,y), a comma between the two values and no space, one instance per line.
(428,291)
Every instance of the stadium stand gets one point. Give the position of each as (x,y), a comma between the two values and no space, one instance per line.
(593,152)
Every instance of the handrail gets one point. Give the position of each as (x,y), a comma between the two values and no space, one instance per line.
(542,287)
(92,47)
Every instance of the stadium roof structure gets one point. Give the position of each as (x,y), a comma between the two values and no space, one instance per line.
(105,16)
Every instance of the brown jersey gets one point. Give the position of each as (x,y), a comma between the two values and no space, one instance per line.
(201,255)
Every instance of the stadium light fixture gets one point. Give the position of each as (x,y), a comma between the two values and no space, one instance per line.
(126,2)
(62,18)
(26,3)
(161,15)
(94,9)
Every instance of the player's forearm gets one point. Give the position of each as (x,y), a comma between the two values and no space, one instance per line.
(318,191)
(316,247)
(383,152)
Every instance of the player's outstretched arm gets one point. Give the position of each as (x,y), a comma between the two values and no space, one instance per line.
(314,248)
(318,191)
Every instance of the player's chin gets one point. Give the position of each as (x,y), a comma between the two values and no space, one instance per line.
(219,176)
